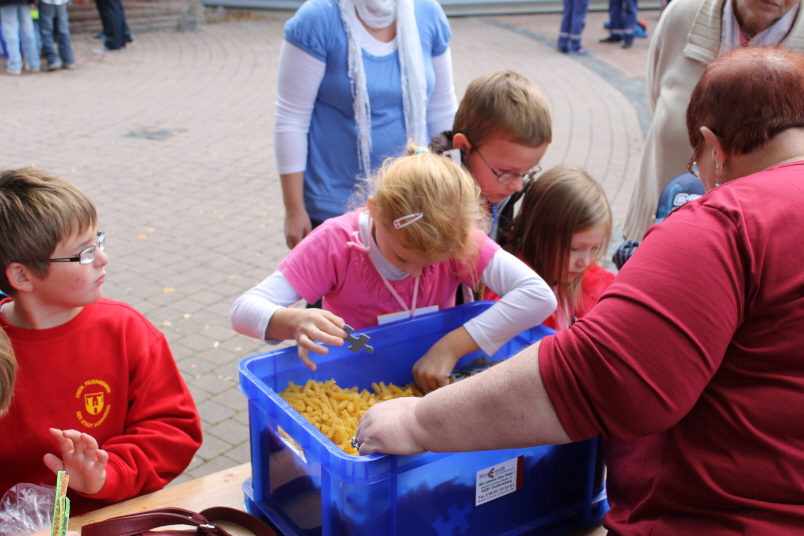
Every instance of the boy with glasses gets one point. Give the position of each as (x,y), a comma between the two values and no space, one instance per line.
(98,393)
(500,133)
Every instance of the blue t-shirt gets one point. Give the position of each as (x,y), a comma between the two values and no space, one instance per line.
(332,165)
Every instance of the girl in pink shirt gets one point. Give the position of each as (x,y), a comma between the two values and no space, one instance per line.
(418,237)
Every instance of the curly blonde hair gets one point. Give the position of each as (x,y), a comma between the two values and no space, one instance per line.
(442,191)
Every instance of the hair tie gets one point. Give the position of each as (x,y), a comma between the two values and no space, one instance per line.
(418,150)
(407,220)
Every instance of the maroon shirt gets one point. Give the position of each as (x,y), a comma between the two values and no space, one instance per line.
(701,338)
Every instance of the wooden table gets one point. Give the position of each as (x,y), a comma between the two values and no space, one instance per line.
(220,489)
(223,488)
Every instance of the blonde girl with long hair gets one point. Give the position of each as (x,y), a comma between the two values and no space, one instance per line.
(418,236)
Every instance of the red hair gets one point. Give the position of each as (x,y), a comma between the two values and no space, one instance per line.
(747,97)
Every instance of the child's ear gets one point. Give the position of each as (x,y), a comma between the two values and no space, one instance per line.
(19,277)
(460,141)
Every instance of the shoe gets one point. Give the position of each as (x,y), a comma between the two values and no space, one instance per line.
(628,44)
(611,39)
(129,38)
(563,50)
(33,69)
(14,72)
(69,66)
(99,49)
(580,52)
(641,29)
(55,66)
(101,36)
(607,24)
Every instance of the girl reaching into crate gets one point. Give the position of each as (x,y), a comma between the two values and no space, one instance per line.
(562,231)
(418,236)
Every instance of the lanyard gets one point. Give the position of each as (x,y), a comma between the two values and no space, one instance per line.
(494,220)
(367,250)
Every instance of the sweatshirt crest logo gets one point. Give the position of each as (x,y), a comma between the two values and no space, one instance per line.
(93,399)
(93,402)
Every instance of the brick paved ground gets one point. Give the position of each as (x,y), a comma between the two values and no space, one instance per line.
(195,219)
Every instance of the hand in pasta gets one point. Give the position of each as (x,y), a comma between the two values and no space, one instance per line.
(336,411)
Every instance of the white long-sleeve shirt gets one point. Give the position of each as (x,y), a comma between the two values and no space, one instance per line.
(526,300)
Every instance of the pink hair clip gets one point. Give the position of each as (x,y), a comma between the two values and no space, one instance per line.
(407,220)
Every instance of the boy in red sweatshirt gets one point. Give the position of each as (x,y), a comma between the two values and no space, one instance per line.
(98,393)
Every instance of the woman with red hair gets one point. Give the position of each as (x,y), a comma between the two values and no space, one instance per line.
(697,344)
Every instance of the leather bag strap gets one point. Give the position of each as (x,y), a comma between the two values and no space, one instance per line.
(238,517)
(135,524)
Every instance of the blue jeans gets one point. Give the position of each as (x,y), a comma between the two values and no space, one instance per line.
(17,21)
(51,16)
(572,24)
(623,15)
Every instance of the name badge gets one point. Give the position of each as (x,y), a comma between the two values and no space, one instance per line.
(404,315)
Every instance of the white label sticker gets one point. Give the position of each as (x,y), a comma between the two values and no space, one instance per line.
(499,480)
(404,315)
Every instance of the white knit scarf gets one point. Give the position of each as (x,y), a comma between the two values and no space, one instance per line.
(730,30)
(378,14)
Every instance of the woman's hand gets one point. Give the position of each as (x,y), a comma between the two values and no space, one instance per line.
(297,226)
(307,326)
(297,221)
(391,428)
(433,369)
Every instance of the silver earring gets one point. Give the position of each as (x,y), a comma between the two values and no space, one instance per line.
(717,184)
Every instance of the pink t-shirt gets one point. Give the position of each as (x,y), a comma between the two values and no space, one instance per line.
(700,339)
(324,265)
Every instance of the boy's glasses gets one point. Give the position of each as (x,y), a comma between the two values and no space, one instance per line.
(508,177)
(87,255)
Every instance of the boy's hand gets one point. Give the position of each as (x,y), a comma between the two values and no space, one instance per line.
(432,370)
(81,459)
(307,326)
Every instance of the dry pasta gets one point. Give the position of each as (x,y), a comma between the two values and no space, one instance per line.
(335,411)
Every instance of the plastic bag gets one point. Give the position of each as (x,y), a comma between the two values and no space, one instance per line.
(26,508)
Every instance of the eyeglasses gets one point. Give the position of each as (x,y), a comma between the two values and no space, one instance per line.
(692,165)
(87,255)
(507,178)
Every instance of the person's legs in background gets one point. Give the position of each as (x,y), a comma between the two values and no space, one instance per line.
(116,38)
(566,25)
(47,13)
(578,23)
(103,13)
(615,22)
(64,39)
(11,35)
(629,22)
(29,49)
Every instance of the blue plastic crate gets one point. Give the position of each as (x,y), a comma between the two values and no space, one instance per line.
(313,488)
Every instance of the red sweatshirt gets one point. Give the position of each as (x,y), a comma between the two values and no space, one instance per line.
(110,373)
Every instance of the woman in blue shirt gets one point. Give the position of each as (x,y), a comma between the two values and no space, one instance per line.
(357,79)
